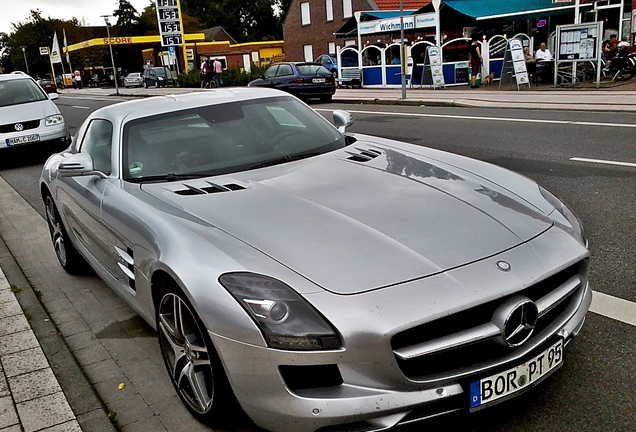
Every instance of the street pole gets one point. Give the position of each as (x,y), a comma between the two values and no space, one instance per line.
(25,60)
(577,20)
(402,57)
(112,59)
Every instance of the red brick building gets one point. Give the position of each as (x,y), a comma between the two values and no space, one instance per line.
(309,27)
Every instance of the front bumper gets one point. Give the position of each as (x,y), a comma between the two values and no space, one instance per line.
(48,134)
(262,392)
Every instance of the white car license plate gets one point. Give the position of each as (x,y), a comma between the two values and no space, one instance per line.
(22,140)
(318,80)
(494,387)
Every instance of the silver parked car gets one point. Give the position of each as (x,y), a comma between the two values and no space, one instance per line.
(324,279)
(28,115)
(133,79)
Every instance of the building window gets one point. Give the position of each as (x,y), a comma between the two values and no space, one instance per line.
(347,9)
(308,52)
(329,6)
(305,17)
(331,48)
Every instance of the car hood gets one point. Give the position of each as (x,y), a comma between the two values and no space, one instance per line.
(27,111)
(351,226)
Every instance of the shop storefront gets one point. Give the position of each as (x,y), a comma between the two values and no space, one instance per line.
(376,54)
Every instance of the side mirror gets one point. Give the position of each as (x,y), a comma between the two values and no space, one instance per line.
(54,96)
(78,164)
(342,120)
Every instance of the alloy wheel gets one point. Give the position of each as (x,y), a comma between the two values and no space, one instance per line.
(55,228)
(186,354)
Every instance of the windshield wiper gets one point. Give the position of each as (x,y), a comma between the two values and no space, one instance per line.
(170,177)
(284,159)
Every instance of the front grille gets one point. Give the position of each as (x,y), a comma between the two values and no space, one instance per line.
(461,359)
(10,127)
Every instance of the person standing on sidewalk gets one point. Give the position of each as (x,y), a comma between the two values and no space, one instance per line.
(77,79)
(475,61)
(217,67)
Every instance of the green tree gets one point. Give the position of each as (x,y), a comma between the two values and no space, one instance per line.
(245,20)
(127,18)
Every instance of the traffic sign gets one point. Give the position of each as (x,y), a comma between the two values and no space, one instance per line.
(171,49)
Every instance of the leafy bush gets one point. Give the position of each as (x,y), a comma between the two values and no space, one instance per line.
(233,76)
(236,77)
(192,79)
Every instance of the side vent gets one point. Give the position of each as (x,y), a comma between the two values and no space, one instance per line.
(213,188)
(363,155)
(126,263)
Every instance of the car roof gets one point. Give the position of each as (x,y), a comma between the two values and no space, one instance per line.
(14,76)
(130,110)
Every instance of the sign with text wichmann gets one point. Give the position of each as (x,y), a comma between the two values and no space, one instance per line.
(169,20)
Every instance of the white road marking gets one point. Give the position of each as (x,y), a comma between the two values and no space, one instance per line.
(95,98)
(79,106)
(604,162)
(483,118)
(614,307)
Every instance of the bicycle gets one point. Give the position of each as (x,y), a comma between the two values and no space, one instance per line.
(208,84)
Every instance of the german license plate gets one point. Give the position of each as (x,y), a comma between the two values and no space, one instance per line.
(494,387)
(318,80)
(22,140)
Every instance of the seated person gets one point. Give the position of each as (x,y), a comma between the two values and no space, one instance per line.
(531,65)
(543,54)
(543,59)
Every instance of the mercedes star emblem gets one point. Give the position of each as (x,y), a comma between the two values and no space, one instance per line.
(18,126)
(516,319)
(503,266)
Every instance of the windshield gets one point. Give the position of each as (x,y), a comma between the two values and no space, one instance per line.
(159,71)
(20,91)
(225,138)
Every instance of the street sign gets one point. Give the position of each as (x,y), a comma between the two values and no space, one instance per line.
(169,21)
(44,50)
(171,49)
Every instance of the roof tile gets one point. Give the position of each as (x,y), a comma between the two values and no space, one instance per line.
(386,5)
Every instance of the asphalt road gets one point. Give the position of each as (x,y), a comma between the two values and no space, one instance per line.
(594,389)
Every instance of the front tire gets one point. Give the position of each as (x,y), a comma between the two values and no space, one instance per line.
(68,256)
(145,84)
(192,363)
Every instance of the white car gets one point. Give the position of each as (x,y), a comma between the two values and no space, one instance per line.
(28,115)
(132,80)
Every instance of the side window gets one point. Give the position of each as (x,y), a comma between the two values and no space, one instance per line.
(284,70)
(271,72)
(97,142)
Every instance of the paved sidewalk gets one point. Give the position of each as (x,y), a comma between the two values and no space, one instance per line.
(31,398)
(620,98)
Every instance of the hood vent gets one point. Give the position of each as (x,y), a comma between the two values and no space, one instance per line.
(213,188)
(363,155)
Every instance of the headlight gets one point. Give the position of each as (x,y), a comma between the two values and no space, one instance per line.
(54,120)
(287,321)
(564,211)
(160,78)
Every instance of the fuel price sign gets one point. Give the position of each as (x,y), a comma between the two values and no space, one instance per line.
(169,20)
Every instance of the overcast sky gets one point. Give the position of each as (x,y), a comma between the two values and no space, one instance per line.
(90,10)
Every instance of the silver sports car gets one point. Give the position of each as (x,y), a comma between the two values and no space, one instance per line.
(324,280)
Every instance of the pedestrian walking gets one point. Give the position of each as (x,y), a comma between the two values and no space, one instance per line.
(77,79)
(217,67)
(475,61)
